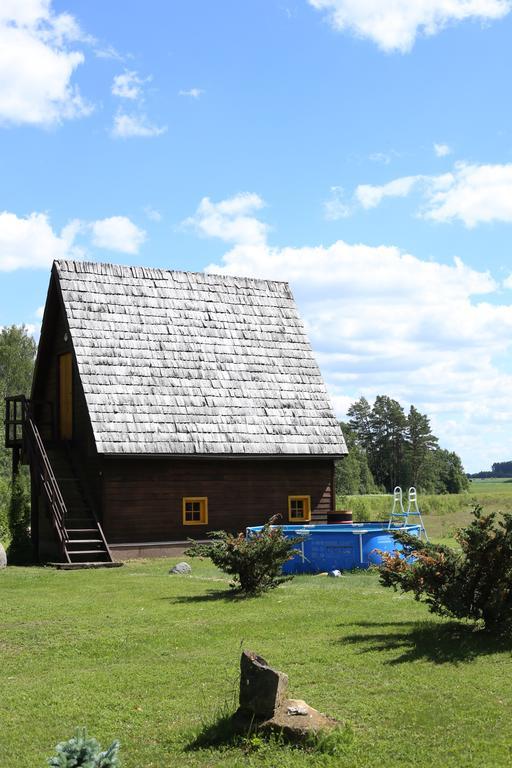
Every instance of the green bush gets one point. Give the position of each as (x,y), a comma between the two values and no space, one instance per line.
(5,494)
(82,752)
(20,548)
(254,562)
(475,583)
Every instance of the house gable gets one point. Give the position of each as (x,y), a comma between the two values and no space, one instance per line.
(179,363)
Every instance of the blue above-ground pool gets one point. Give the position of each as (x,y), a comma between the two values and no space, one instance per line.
(343,547)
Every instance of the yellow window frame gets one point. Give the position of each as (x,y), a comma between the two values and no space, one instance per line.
(203,510)
(306,517)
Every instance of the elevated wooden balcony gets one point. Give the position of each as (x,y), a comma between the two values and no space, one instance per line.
(15,416)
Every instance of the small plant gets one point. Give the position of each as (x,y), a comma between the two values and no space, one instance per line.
(83,752)
(474,584)
(255,562)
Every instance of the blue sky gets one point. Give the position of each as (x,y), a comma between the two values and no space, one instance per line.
(360,150)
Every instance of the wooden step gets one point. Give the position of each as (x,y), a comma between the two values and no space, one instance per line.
(82,530)
(87,552)
(80,566)
(84,541)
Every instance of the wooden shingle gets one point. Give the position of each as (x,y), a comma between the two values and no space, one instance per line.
(185,363)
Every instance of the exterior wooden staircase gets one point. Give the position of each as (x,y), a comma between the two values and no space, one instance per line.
(79,533)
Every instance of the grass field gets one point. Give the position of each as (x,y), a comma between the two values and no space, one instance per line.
(152,659)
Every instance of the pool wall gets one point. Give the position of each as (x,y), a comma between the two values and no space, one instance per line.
(342,547)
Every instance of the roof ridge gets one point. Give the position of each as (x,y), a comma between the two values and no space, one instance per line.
(155,273)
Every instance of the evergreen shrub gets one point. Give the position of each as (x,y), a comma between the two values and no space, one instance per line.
(254,562)
(20,548)
(5,493)
(83,752)
(475,583)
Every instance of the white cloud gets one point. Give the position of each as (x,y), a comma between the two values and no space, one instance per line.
(36,66)
(507,283)
(369,196)
(476,194)
(231,220)
(135,126)
(152,213)
(336,208)
(117,233)
(193,93)
(442,150)
(384,158)
(30,242)
(471,193)
(128,85)
(394,24)
(382,321)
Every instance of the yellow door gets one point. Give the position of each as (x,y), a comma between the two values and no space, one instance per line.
(66,396)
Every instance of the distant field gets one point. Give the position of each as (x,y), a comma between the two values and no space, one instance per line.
(497,484)
(443,514)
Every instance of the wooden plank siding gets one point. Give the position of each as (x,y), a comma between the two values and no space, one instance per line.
(142,498)
(58,342)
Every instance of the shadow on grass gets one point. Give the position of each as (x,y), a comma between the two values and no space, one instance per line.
(226,730)
(447,643)
(213,595)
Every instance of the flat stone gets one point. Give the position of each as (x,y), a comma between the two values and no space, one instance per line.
(262,689)
(296,720)
(181,568)
(3,557)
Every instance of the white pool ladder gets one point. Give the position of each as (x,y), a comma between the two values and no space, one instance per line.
(399,517)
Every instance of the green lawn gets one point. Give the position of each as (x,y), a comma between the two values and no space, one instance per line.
(136,654)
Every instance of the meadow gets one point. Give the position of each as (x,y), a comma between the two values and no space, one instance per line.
(443,514)
(152,659)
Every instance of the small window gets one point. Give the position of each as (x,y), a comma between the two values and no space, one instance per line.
(195,510)
(299,509)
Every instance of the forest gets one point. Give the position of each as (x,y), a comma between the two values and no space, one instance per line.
(17,354)
(389,447)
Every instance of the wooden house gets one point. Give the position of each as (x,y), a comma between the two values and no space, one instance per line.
(166,404)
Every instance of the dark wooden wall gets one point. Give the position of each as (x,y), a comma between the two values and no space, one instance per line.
(142,498)
(46,400)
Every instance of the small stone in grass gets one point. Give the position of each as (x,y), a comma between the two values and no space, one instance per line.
(181,568)
(335,574)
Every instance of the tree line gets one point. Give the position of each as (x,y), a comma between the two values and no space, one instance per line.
(389,447)
(17,354)
(498,469)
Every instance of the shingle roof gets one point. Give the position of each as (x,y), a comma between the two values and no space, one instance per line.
(191,363)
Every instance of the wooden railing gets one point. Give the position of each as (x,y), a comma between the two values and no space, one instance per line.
(42,472)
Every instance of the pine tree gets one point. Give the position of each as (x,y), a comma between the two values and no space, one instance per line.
(419,442)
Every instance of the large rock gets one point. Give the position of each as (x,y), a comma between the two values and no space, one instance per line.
(263,703)
(181,568)
(3,557)
(262,689)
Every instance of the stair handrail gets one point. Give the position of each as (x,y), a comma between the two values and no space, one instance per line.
(92,510)
(46,479)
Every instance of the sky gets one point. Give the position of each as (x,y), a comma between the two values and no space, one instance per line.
(358,149)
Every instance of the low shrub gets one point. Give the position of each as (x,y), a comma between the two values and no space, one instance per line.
(475,583)
(83,752)
(254,562)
